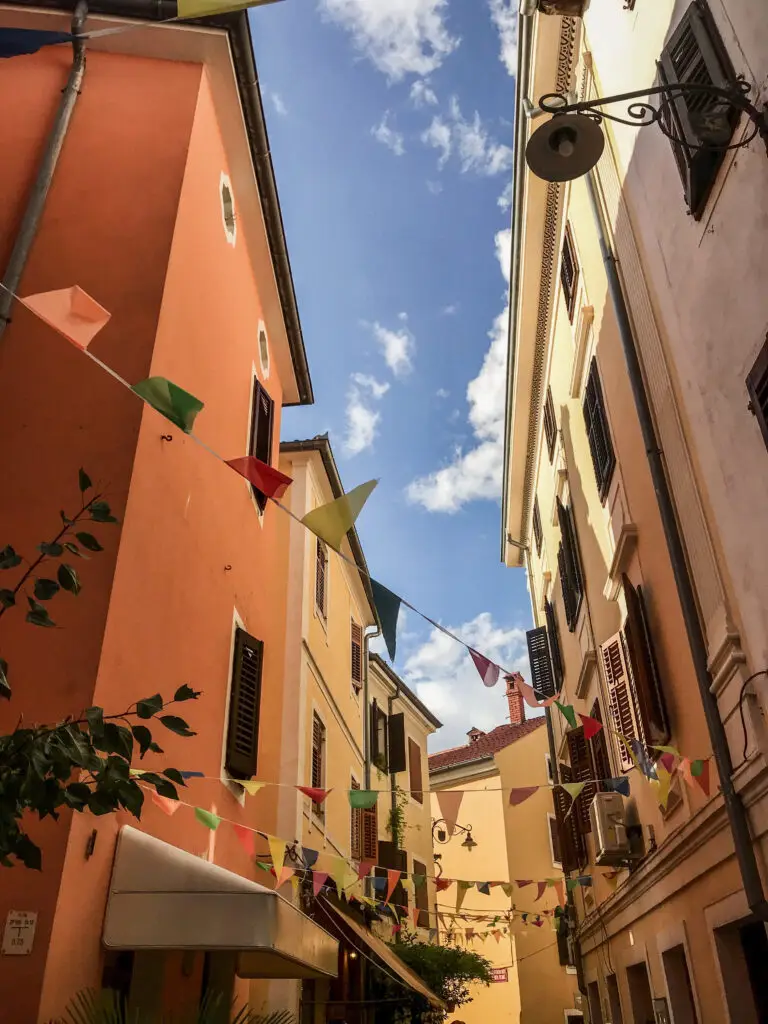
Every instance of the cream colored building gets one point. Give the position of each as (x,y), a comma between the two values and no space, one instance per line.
(533,982)
(631,462)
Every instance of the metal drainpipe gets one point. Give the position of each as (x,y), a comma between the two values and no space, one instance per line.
(36,202)
(367,637)
(392,783)
(737,815)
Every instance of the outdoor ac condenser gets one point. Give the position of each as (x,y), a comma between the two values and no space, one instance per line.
(606,814)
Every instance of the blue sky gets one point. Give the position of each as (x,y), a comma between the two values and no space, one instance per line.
(390,125)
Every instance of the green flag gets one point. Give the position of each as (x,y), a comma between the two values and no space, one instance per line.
(207,818)
(331,522)
(387,609)
(171,401)
(363,799)
(567,712)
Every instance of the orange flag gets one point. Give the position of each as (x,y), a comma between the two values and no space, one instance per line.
(247,839)
(393,877)
(166,805)
(70,311)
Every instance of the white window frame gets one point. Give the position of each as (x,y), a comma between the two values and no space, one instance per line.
(314,816)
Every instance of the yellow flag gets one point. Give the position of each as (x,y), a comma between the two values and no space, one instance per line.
(250,786)
(330,522)
(202,8)
(661,786)
(277,852)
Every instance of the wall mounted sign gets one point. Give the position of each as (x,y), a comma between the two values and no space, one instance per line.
(499,974)
(19,933)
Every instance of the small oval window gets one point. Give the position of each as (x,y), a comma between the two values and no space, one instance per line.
(228,209)
(263,351)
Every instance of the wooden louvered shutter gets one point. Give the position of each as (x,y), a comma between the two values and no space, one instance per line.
(581,770)
(370,833)
(356,640)
(537,530)
(244,703)
(262,429)
(621,700)
(569,272)
(572,849)
(645,674)
(757,389)
(542,676)
(599,748)
(355,828)
(421,894)
(318,761)
(569,563)
(396,738)
(554,643)
(550,423)
(321,569)
(598,435)
(414,770)
(394,859)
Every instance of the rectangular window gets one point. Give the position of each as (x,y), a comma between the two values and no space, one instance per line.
(242,744)
(599,748)
(318,762)
(355,827)
(595,1009)
(598,434)
(569,565)
(414,770)
(539,658)
(553,633)
(569,272)
(321,579)
(614,1000)
(356,643)
(379,737)
(396,754)
(757,388)
(573,851)
(623,708)
(262,427)
(537,531)
(696,54)
(640,995)
(421,894)
(642,661)
(390,857)
(370,833)
(550,424)
(554,841)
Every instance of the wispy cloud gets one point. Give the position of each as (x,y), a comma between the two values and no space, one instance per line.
(278,104)
(422,93)
(399,37)
(451,309)
(377,388)
(505,199)
(388,136)
(435,187)
(438,135)
(397,346)
(504,16)
(362,418)
(442,393)
(477,151)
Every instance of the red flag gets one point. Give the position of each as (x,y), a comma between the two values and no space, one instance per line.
(591,726)
(318,881)
(415,914)
(489,672)
(538,922)
(558,884)
(264,478)
(519,795)
(315,795)
(521,882)
(393,877)
(441,884)
(364,868)
(247,839)
(703,777)
(668,760)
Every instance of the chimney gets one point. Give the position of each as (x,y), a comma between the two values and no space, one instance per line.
(515,701)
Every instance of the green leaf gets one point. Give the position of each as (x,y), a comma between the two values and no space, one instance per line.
(53,550)
(7,598)
(5,689)
(149,706)
(177,725)
(155,748)
(100,802)
(143,737)
(117,740)
(77,795)
(8,558)
(101,512)
(46,589)
(89,541)
(68,578)
(163,786)
(28,853)
(64,517)
(84,480)
(131,797)
(38,615)
(175,776)
(74,549)
(95,718)
(185,692)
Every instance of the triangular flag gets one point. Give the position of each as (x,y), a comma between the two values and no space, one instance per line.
(591,726)
(470,933)
(668,760)
(387,607)
(166,804)
(519,795)
(496,934)
(332,521)
(620,785)
(204,8)
(700,772)
(449,803)
(540,889)
(461,892)
(171,401)
(419,880)
(277,853)
(441,884)
(642,760)
(573,789)
(668,750)
(661,785)
(529,695)
(407,884)
(319,879)
(70,311)
(585,880)
(283,876)
(295,883)
(558,884)
(415,914)
(524,918)
(362,799)
(316,795)
(538,922)
(16,42)
(393,877)
(567,712)
(507,889)
(247,839)
(207,818)
(484,888)
(571,884)
(309,857)
(264,867)
(364,868)
(251,786)
(489,672)
(265,478)
(522,882)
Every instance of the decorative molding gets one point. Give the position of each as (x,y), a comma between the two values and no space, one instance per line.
(625,549)
(582,332)
(588,664)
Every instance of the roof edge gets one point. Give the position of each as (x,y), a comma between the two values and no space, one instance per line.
(400,683)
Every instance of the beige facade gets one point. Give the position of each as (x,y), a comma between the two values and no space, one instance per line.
(676,935)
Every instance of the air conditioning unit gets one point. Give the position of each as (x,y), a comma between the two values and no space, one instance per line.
(565,8)
(606,815)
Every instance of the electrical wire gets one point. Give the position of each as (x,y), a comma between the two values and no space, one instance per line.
(742,694)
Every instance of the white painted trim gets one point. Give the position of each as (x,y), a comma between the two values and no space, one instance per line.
(232,785)
(261,330)
(230,230)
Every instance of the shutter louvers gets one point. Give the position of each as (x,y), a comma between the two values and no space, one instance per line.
(318,762)
(550,423)
(598,435)
(244,703)
(356,640)
(554,643)
(620,696)
(569,272)
(645,673)
(572,848)
(581,770)
(370,834)
(537,531)
(321,566)
(414,770)
(262,428)
(542,676)
(570,565)
(421,894)
(599,747)
(355,828)
(396,737)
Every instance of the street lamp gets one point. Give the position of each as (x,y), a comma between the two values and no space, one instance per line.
(570,144)
(440,833)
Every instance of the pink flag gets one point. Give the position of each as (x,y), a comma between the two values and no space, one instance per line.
(538,922)
(668,760)
(441,884)
(70,311)
(522,882)
(521,794)
(166,805)
(530,697)
(393,877)
(496,934)
(489,672)
(318,881)
(540,887)
(264,478)
(315,795)
(364,868)
(247,839)
(449,804)
(591,726)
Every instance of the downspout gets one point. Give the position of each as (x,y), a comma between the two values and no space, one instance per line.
(367,637)
(30,222)
(392,783)
(737,814)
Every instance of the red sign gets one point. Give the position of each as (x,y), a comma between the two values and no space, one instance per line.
(499,974)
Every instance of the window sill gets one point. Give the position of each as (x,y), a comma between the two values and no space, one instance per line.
(588,664)
(625,549)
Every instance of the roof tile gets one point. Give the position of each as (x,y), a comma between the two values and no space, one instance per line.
(485,746)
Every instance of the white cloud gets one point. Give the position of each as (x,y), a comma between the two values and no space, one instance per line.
(504,17)
(388,136)
(505,199)
(399,37)
(476,473)
(362,420)
(435,187)
(422,93)
(445,678)
(397,346)
(278,104)
(438,135)
(442,393)
(450,310)
(476,150)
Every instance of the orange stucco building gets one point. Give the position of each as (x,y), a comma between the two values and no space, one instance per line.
(163,207)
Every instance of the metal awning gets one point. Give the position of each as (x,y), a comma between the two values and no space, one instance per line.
(391,960)
(161,897)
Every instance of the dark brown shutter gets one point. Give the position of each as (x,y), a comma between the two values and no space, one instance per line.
(569,564)
(621,701)
(757,389)
(569,272)
(696,54)
(262,428)
(356,639)
(553,633)
(550,423)
(318,761)
(542,676)
(370,831)
(379,734)
(537,531)
(581,770)
(414,770)
(572,848)
(599,747)
(421,894)
(396,729)
(355,827)
(321,569)
(645,674)
(244,703)
(598,434)
(554,836)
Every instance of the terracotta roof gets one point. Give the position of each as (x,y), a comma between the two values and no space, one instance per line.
(486,746)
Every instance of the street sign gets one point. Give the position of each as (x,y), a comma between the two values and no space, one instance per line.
(499,974)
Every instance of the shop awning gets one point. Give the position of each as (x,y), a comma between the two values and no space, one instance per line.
(161,897)
(391,960)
